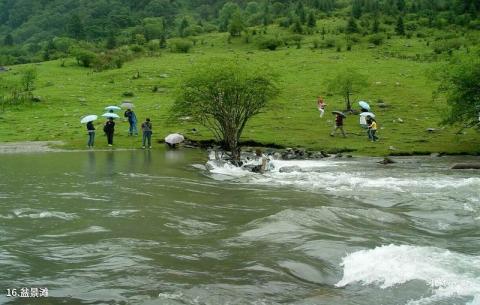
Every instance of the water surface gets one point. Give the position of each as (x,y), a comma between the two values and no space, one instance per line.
(153,227)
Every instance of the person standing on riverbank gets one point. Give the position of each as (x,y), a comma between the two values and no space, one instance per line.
(338,125)
(321,106)
(147,133)
(372,129)
(132,121)
(109,130)
(91,134)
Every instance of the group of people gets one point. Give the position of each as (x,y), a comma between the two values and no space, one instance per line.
(109,130)
(366,121)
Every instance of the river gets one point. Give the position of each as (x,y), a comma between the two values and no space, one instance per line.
(154,227)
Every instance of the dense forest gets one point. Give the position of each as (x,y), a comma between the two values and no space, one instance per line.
(38,30)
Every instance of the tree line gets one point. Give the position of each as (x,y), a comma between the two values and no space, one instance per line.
(30,29)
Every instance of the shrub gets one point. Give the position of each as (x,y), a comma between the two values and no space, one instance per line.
(376,39)
(327,43)
(180,45)
(269,42)
(85,58)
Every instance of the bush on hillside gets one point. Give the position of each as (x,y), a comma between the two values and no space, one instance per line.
(268,42)
(376,39)
(180,45)
(85,58)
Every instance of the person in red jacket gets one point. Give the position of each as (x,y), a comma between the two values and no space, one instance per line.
(338,125)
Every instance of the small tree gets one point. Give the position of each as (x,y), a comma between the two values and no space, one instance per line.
(28,79)
(8,40)
(347,83)
(223,96)
(311,20)
(352,26)
(399,28)
(459,84)
(236,25)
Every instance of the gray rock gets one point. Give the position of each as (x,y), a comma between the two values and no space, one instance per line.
(387,161)
(339,155)
(290,169)
(466,166)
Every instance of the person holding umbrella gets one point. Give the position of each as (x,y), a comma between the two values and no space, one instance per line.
(132,120)
(147,133)
(90,128)
(109,129)
(91,134)
(338,123)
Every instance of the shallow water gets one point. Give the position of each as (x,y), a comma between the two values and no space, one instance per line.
(140,227)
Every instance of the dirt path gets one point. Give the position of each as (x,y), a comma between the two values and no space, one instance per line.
(27,147)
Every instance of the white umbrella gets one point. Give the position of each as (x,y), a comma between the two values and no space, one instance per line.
(88,118)
(127,105)
(110,115)
(174,138)
(367,114)
(364,105)
(113,108)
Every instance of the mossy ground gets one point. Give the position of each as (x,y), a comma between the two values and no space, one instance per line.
(291,120)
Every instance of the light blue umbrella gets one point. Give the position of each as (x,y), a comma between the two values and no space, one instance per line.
(88,118)
(110,115)
(113,108)
(364,105)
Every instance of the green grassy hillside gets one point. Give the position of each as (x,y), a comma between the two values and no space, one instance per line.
(69,92)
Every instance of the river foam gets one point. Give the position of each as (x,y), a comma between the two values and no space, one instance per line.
(448,274)
(362,180)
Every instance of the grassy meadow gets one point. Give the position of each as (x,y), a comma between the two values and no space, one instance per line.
(394,76)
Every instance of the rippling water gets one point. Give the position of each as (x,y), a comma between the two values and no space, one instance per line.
(135,227)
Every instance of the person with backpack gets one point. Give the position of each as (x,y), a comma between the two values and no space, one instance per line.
(91,134)
(109,129)
(132,121)
(338,125)
(147,133)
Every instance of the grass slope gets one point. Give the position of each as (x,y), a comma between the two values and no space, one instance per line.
(291,120)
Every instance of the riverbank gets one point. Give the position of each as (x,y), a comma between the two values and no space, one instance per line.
(408,120)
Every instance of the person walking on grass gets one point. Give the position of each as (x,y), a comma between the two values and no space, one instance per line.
(372,129)
(109,129)
(338,125)
(321,106)
(147,133)
(91,134)
(132,121)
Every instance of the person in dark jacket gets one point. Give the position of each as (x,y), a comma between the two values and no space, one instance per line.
(91,134)
(338,125)
(132,120)
(109,129)
(147,133)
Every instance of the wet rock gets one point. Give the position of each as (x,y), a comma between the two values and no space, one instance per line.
(466,166)
(349,156)
(324,154)
(339,155)
(386,161)
(290,169)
